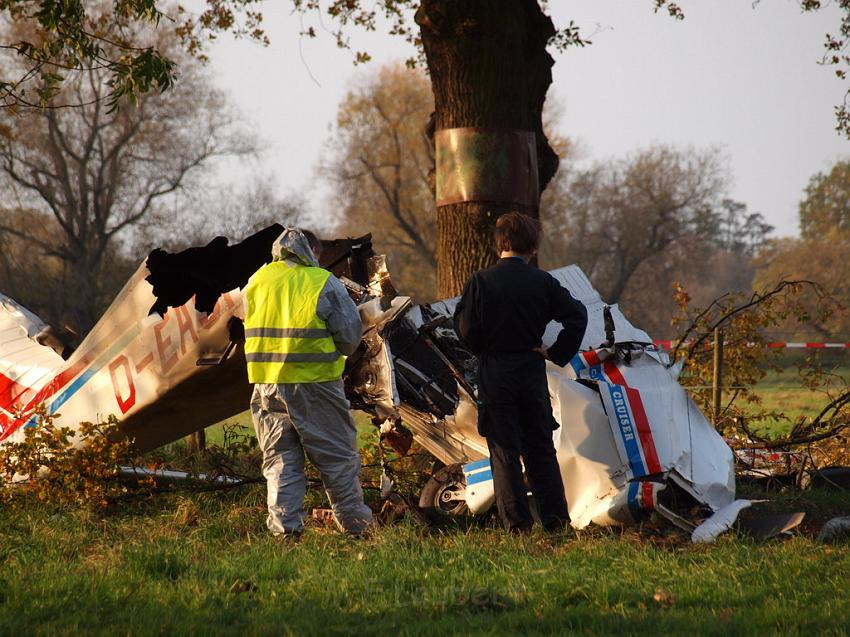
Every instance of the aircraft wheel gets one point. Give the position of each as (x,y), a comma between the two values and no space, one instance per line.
(442,496)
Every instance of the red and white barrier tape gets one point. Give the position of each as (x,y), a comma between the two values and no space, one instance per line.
(775,345)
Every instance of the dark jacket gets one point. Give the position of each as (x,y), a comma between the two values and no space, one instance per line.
(505,309)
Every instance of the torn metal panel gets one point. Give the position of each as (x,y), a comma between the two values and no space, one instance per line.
(766,527)
(722,520)
(660,428)
(453,439)
(26,365)
(139,368)
(631,440)
(591,466)
(435,437)
(379,277)
(574,280)
(372,381)
(143,366)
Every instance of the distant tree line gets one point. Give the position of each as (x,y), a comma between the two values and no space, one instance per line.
(86,193)
(637,225)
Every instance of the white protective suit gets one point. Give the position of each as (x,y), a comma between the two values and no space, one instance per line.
(312,418)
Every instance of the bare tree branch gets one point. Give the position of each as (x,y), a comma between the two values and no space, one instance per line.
(756,299)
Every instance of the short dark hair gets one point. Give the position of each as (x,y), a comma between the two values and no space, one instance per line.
(516,232)
(315,242)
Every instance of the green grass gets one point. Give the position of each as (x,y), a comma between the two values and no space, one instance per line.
(215,433)
(204,564)
(783,391)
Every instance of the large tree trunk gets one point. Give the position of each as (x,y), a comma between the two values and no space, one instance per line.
(489,70)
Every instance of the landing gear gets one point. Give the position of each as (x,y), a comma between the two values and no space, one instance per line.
(444,494)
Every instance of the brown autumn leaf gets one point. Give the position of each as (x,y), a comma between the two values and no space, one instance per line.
(663,597)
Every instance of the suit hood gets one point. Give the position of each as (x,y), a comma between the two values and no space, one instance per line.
(294,246)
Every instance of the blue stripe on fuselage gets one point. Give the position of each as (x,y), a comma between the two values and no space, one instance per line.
(478,464)
(577,363)
(475,478)
(65,395)
(627,429)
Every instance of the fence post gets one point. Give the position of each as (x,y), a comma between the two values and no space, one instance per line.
(717,381)
(196,442)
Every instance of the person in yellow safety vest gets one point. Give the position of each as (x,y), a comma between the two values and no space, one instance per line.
(299,325)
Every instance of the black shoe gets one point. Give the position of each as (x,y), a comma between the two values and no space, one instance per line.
(290,537)
(555,525)
(520,529)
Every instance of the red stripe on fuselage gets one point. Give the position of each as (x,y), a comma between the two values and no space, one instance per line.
(62,379)
(10,390)
(653,465)
(646,496)
(647,442)
(613,372)
(53,386)
(592,358)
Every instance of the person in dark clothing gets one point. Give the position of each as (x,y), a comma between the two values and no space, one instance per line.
(501,317)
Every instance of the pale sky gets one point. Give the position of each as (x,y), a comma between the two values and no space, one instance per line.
(730,76)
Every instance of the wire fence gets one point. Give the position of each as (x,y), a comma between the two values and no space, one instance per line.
(670,344)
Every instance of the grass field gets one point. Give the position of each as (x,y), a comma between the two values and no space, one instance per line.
(195,563)
(783,391)
(203,564)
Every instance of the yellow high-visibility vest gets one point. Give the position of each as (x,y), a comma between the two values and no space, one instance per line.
(285,341)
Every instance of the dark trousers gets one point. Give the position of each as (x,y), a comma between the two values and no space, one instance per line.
(515,415)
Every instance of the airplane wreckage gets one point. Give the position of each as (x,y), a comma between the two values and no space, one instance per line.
(166,359)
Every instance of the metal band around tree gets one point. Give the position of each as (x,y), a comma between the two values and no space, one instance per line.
(287,332)
(292,357)
(486,165)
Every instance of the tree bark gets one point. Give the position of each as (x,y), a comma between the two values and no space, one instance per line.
(489,69)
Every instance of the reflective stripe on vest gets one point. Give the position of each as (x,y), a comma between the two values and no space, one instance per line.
(285,340)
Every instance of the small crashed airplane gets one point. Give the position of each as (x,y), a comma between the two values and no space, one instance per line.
(165,358)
